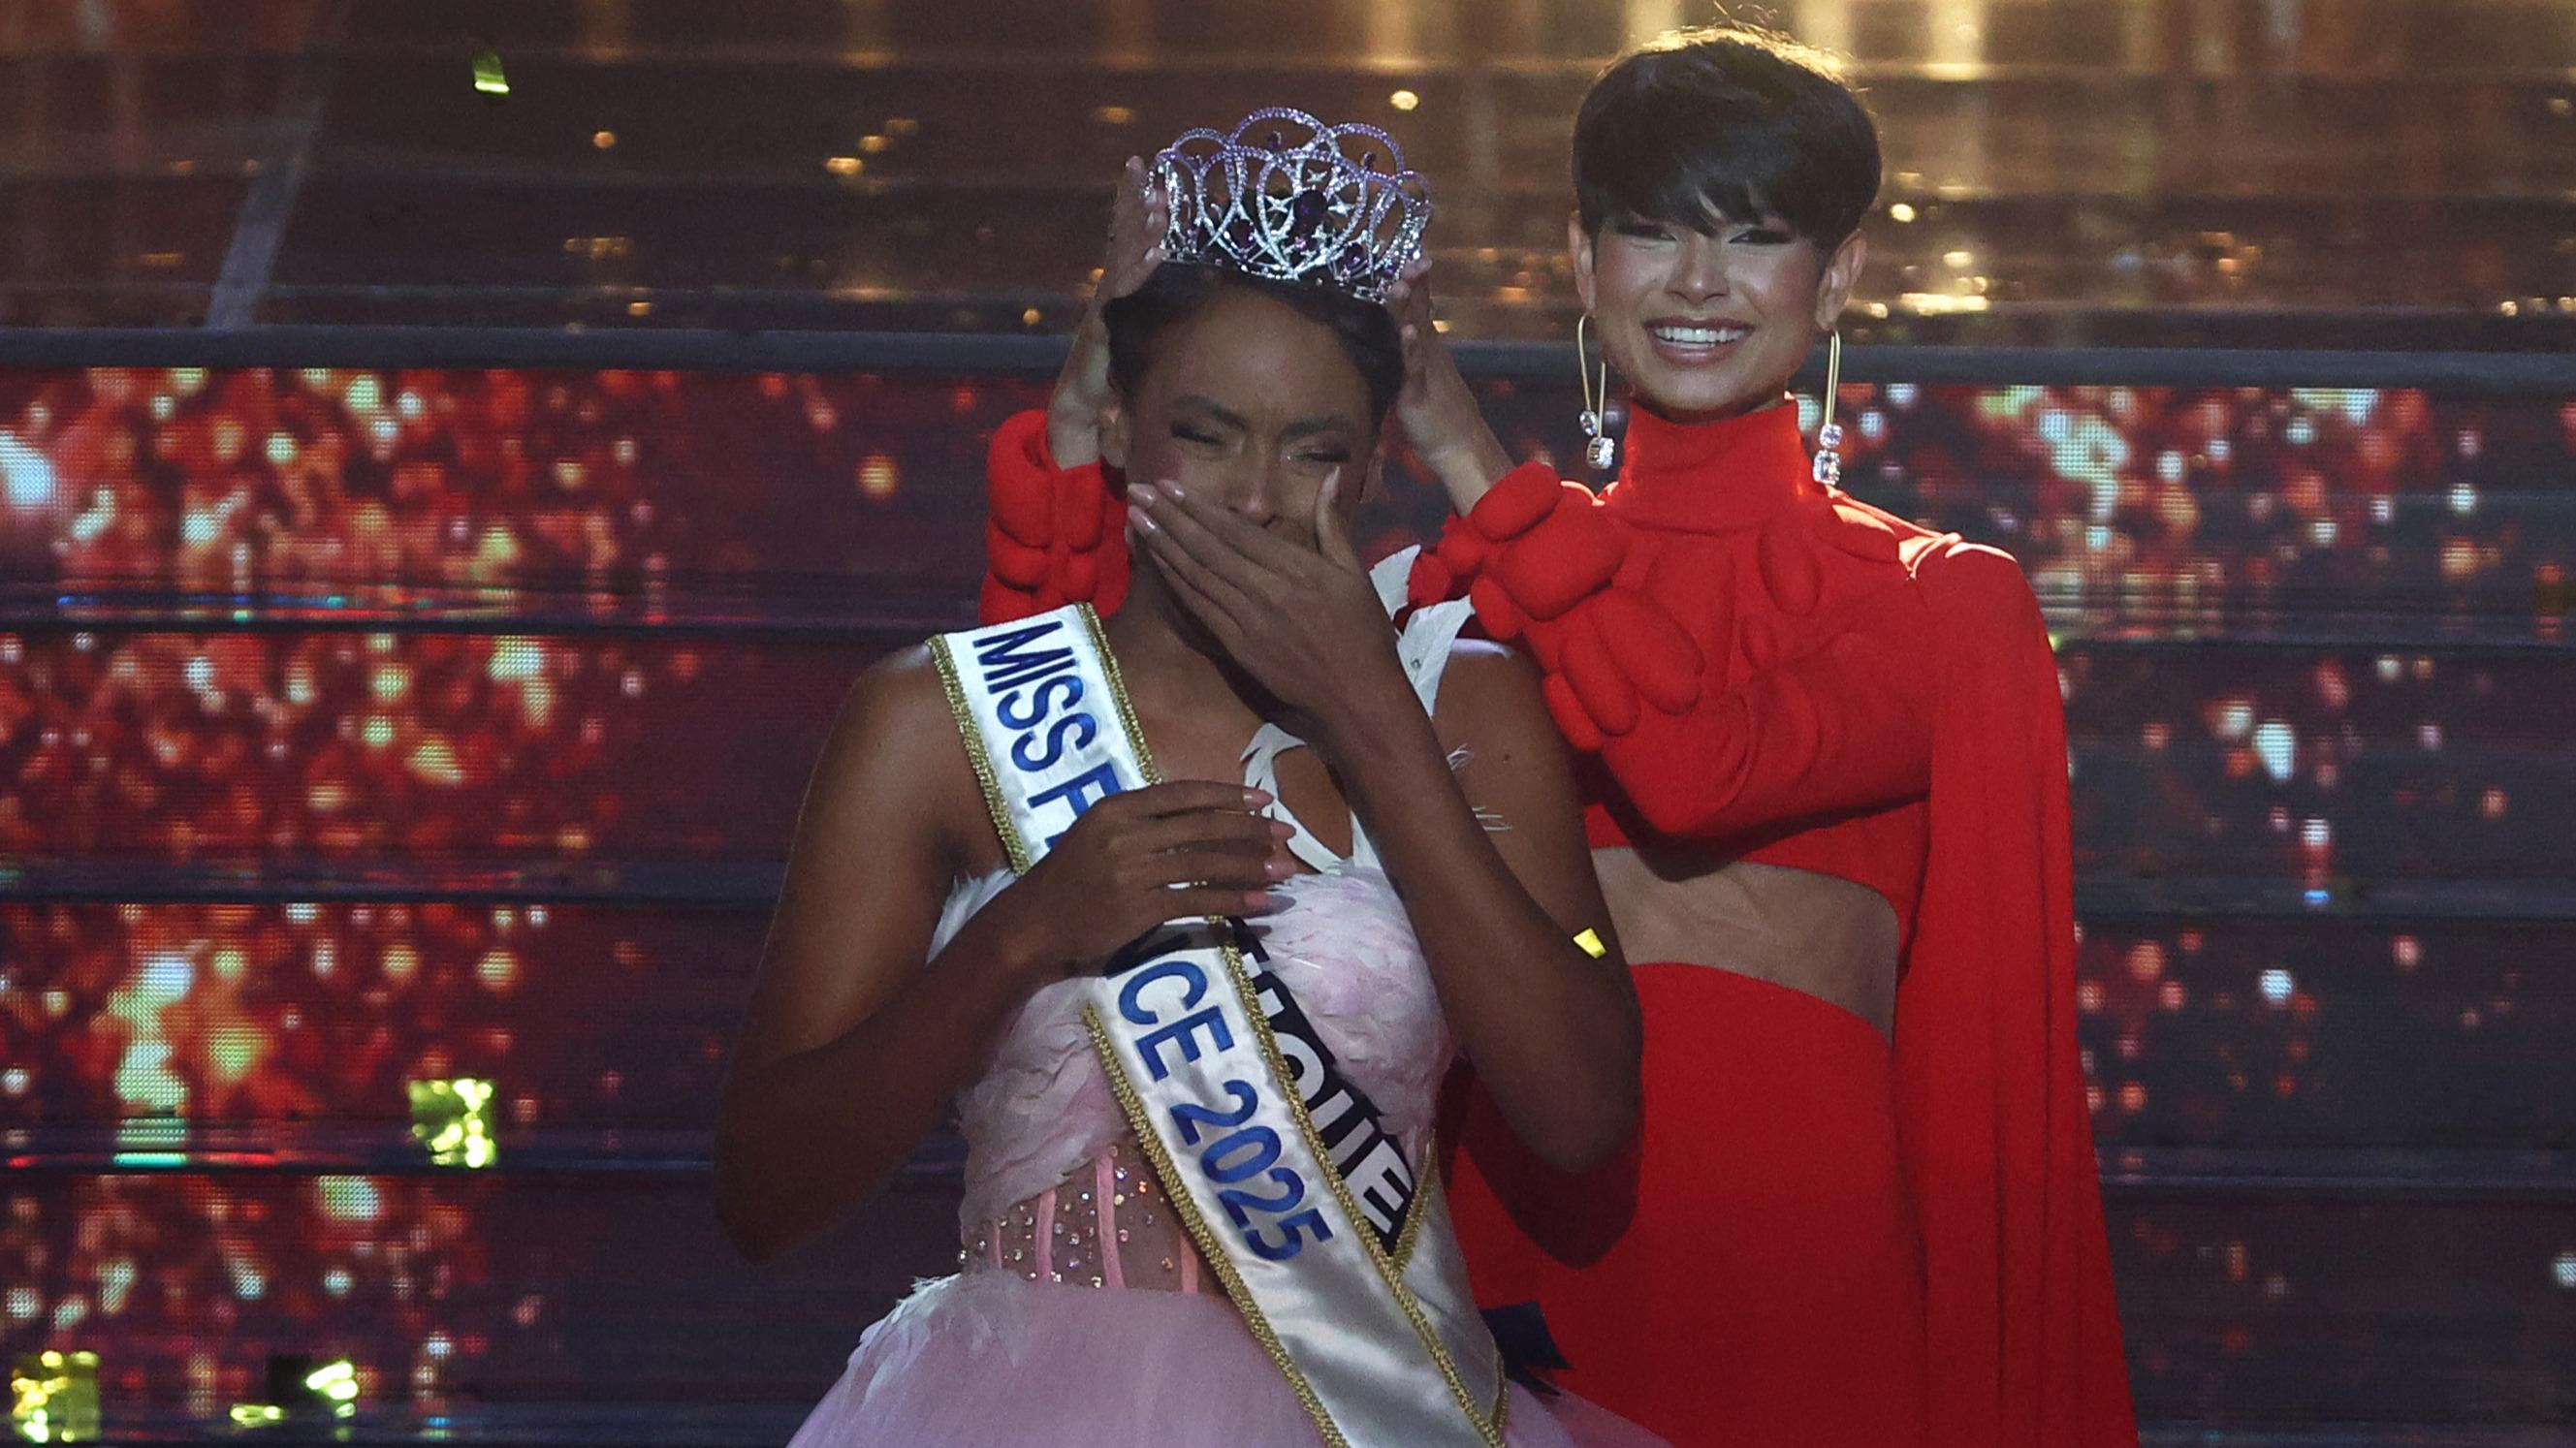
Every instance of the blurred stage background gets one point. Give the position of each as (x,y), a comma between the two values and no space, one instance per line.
(434,534)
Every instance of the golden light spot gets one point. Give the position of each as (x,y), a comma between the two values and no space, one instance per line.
(53,1394)
(435,761)
(490,82)
(1940,304)
(879,477)
(1902,212)
(1404,100)
(453,1118)
(233,1050)
(336,1380)
(496,550)
(844,165)
(603,139)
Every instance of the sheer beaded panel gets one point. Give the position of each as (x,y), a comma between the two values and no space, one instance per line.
(1106,1225)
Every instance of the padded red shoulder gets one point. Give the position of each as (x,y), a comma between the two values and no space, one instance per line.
(1055,535)
(1525,495)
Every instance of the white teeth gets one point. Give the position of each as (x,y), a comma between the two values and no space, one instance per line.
(1698,336)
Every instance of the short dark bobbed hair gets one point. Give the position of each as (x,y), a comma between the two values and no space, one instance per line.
(1176,292)
(1729,122)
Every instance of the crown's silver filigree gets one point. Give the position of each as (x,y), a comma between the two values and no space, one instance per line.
(1292,199)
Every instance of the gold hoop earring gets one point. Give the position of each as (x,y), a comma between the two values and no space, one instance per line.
(1829,435)
(1598,448)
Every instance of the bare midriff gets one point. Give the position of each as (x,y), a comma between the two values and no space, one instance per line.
(1818,934)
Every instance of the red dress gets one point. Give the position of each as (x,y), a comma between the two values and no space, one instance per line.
(1812,1239)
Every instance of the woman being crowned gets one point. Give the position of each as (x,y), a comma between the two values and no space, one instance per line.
(1824,762)
(1190,911)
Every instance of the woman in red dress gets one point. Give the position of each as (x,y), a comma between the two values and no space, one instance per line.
(1828,809)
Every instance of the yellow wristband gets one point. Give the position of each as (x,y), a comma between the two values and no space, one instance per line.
(1590,940)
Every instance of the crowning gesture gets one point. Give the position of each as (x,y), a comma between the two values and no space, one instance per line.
(1138,220)
(1436,410)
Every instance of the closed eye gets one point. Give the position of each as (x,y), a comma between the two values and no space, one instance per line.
(1187,433)
(1763,236)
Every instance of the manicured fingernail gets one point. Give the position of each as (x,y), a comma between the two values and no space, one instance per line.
(1278,869)
(1256,901)
(1255,799)
(1169,489)
(1282,830)
(1142,522)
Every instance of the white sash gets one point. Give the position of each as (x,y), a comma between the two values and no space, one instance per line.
(1349,1277)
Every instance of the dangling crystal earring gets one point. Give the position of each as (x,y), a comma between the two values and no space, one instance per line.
(1829,436)
(1599,449)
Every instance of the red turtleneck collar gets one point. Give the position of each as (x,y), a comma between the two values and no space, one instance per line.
(1714,477)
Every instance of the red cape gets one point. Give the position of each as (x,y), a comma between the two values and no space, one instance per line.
(1997,1141)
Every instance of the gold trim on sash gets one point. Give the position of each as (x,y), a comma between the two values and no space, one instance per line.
(1389,1269)
(1176,1196)
(1426,1186)
(1013,847)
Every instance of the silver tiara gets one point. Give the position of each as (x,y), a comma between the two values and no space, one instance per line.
(1289,198)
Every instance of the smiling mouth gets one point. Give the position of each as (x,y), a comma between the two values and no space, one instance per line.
(1691,336)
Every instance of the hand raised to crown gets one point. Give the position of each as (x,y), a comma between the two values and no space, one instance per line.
(1138,219)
